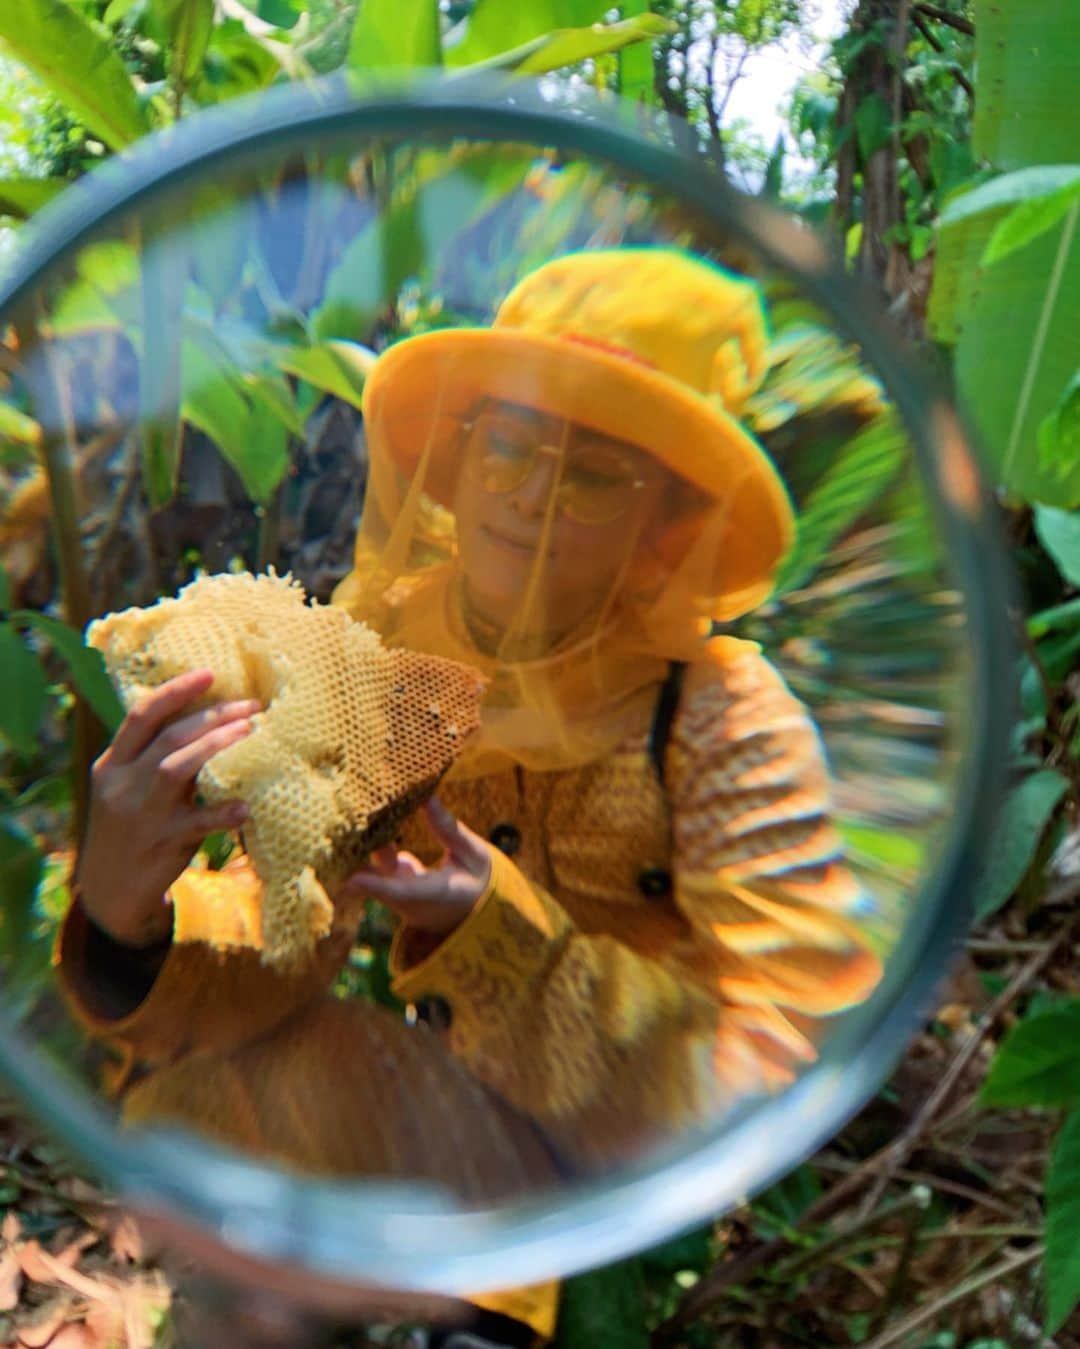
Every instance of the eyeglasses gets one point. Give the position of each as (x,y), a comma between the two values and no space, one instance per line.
(597,480)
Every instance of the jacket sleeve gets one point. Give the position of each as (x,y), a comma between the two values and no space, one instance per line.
(608,1047)
(211,992)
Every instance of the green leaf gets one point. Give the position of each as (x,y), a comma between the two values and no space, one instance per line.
(70,56)
(390,34)
(495,27)
(117,10)
(787,1200)
(21,197)
(858,475)
(604,1309)
(873,125)
(1030,219)
(693,1250)
(1023,818)
(23,692)
(1059,533)
(338,367)
(5,591)
(1059,435)
(240,420)
(85,665)
(16,425)
(371,272)
(1063,1225)
(1034,184)
(1027,57)
(188,25)
(1017,350)
(568,46)
(1038,1062)
(1058,616)
(637,80)
(235,63)
(21,866)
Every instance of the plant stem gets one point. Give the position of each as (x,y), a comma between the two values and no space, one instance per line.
(899,1332)
(57,449)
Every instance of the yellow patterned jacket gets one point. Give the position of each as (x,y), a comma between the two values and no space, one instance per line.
(646,953)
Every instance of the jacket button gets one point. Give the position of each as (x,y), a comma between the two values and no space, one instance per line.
(654,883)
(434,1011)
(507,838)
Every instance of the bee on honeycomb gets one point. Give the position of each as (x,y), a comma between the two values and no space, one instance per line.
(353,737)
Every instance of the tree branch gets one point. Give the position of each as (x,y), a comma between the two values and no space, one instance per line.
(961,79)
(956,21)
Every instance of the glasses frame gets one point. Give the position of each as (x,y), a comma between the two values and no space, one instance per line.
(353,1234)
(562,487)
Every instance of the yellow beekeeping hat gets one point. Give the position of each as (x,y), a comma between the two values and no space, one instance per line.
(649,345)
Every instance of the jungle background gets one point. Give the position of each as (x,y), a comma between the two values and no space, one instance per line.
(936,144)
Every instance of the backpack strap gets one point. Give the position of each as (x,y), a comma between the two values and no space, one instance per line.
(667,704)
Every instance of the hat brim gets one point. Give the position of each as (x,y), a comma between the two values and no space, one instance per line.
(419,392)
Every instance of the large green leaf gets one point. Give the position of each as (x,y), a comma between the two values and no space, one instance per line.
(1059,435)
(1009,190)
(1030,219)
(70,56)
(604,1309)
(637,80)
(85,665)
(496,26)
(1018,345)
(337,367)
(1027,59)
(23,692)
(1059,533)
(861,472)
(1038,1062)
(1024,816)
(1015,323)
(241,420)
(568,46)
(1063,1224)
(391,34)
(21,197)
(188,25)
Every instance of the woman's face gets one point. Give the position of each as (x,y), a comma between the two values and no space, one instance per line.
(538,493)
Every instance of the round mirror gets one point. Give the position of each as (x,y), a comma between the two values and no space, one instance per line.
(555,657)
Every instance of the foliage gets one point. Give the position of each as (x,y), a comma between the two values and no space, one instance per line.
(944,148)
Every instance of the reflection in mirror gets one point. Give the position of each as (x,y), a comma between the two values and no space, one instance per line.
(651,595)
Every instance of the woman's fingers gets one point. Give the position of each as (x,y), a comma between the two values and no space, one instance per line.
(179,769)
(461,843)
(403,888)
(145,720)
(193,826)
(189,729)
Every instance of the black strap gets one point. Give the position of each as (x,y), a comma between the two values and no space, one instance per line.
(667,704)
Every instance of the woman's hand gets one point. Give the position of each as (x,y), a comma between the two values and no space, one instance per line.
(143,824)
(436,898)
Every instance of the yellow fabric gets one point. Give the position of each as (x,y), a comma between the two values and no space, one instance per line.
(649,346)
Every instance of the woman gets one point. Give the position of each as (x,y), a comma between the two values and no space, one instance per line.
(629,910)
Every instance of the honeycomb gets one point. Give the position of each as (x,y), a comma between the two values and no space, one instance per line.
(352,738)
